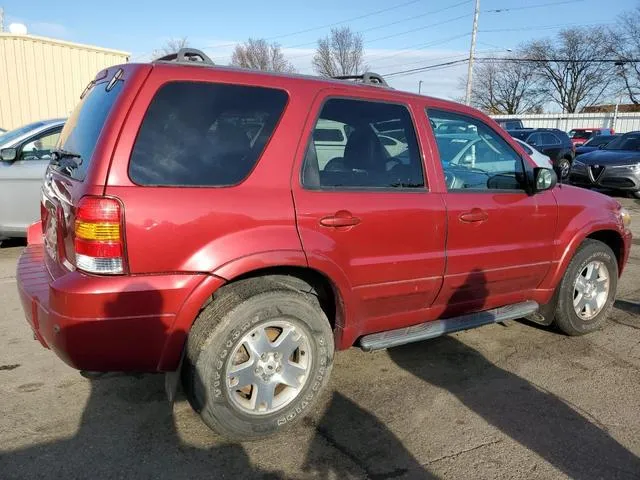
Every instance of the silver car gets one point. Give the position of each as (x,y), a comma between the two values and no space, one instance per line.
(24,153)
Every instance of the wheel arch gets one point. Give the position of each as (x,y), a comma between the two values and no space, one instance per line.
(296,277)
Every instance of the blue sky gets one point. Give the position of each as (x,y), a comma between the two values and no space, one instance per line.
(408,34)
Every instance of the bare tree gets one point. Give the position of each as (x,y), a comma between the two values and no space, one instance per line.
(503,87)
(256,53)
(565,65)
(340,53)
(625,45)
(171,46)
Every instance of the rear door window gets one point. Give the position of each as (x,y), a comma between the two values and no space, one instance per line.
(204,134)
(368,159)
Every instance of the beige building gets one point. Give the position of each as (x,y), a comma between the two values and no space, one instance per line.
(42,78)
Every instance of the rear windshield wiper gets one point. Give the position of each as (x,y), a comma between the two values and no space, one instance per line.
(66,159)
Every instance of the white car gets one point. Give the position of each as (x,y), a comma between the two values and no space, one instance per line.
(24,156)
(540,159)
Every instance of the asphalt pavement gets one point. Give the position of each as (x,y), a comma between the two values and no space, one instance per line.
(508,400)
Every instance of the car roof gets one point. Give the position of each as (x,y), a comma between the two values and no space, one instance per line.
(318,82)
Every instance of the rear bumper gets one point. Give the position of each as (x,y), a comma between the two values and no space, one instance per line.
(99,323)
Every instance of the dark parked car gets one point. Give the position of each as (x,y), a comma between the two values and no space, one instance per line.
(615,166)
(177,237)
(552,142)
(594,143)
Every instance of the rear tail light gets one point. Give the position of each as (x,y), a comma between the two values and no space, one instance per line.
(99,236)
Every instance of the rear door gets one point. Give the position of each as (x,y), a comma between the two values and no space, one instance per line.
(499,238)
(368,216)
(21,181)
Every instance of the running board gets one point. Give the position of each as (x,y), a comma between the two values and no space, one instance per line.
(436,328)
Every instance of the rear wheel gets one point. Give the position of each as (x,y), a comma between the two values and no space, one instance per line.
(587,290)
(258,357)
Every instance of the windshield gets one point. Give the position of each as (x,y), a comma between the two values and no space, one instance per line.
(82,130)
(580,133)
(599,140)
(18,132)
(625,142)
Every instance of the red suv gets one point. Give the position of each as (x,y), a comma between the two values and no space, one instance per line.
(192,223)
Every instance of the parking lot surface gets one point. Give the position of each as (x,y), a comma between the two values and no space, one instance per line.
(508,400)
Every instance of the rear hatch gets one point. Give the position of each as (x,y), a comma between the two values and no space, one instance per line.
(79,168)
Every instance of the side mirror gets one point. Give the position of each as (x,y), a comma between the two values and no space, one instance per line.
(545,179)
(8,154)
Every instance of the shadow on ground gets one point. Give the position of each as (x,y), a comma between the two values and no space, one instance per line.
(535,418)
(127,429)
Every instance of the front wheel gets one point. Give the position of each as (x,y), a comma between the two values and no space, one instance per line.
(564,168)
(257,358)
(587,290)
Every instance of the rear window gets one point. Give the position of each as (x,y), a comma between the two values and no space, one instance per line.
(82,130)
(204,134)
(580,133)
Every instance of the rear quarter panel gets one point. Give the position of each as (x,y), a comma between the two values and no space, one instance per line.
(202,229)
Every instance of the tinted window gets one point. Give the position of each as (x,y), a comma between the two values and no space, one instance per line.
(580,134)
(204,134)
(549,139)
(364,161)
(599,140)
(327,135)
(630,141)
(534,139)
(477,159)
(82,130)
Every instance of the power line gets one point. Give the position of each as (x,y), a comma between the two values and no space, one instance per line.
(425,68)
(561,60)
(450,20)
(509,9)
(542,27)
(377,27)
(419,46)
(321,27)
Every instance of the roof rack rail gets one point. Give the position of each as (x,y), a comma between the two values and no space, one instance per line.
(186,55)
(367,77)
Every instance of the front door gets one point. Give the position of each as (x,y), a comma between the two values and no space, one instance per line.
(21,181)
(366,215)
(500,239)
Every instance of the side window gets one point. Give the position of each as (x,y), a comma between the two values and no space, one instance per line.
(534,139)
(475,157)
(40,148)
(204,134)
(550,139)
(371,156)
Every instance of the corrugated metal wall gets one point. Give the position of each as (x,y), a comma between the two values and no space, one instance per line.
(625,122)
(43,78)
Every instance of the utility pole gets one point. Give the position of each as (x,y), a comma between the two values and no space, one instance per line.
(472,52)
(419,87)
(1,19)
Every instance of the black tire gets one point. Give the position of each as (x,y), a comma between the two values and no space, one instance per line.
(563,169)
(220,327)
(565,316)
